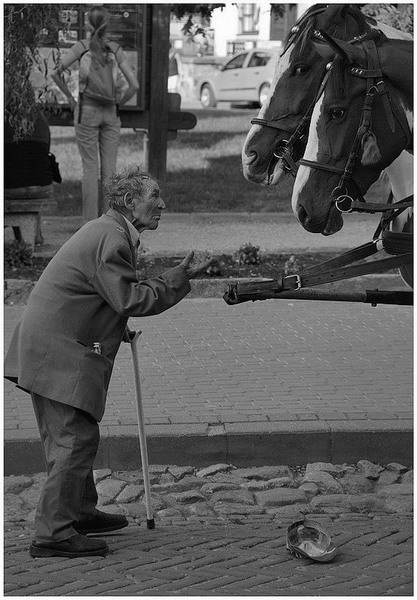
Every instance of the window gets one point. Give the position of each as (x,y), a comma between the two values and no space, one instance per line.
(236,62)
(259,59)
(248,18)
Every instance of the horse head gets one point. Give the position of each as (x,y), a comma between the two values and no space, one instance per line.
(360,124)
(297,79)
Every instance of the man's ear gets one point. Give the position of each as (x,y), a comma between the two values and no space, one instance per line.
(128,201)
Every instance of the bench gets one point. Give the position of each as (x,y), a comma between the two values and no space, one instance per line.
(22,212)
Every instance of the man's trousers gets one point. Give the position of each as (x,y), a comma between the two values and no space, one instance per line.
(70,439)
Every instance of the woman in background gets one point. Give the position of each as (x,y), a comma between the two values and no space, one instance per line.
(96,120)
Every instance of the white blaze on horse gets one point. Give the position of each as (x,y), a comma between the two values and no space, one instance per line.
(278,134)
(360,125)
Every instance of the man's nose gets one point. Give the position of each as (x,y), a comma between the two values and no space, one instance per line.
(161,204)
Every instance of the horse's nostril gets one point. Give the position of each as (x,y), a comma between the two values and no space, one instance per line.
(249,156)
(302,214)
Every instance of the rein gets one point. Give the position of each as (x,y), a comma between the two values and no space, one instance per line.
(336,269)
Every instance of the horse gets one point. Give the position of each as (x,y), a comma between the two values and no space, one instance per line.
(277,137)
(360,124)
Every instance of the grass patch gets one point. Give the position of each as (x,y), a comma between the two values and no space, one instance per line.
(204,172)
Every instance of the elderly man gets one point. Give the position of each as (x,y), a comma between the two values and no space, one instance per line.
(81,302)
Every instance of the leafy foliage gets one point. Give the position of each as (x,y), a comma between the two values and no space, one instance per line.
(17,254)
(25,25)
(399,16)
(248,254)
(204,11)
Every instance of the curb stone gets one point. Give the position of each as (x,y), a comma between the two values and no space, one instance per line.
(222,492)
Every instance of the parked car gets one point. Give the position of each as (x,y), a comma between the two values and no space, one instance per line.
(246,77)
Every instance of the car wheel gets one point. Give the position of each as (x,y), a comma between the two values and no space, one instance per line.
(263,93)
(207,97)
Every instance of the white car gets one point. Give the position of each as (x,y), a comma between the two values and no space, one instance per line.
(246,77)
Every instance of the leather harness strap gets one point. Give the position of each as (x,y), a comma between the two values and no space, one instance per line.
(341,267)
(348,205)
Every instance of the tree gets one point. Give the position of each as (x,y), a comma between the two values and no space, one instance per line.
(25,25)
(204,11)
(399,16)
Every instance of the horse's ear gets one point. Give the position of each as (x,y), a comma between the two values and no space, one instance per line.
(371,154)
(324,50)
(337,13)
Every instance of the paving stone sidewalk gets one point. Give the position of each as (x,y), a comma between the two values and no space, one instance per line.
(228,378)
(222,531)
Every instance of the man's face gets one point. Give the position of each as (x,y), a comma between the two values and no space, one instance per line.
(147,210)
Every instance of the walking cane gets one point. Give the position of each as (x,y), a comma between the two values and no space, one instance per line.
(132,338)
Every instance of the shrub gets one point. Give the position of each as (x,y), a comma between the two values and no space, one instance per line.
(248,255)
(17,254)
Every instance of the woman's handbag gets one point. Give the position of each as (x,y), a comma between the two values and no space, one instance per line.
(56,175)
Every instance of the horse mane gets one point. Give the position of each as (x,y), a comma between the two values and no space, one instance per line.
(331,19)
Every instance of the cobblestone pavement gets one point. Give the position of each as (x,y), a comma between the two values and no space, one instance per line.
(222,531)
(205,362)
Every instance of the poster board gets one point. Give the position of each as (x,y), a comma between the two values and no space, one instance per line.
(127,27)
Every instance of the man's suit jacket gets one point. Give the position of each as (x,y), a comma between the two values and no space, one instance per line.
(86,294)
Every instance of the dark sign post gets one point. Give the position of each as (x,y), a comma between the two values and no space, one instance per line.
(143,32)
(158,96)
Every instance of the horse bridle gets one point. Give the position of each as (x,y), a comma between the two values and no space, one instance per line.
(284,149)
(375,86)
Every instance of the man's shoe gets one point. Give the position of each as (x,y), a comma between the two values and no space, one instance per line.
(74,547)
(101,523)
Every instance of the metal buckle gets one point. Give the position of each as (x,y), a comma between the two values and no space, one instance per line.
(297,280)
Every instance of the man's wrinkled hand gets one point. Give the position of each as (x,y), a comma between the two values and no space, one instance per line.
(196,269)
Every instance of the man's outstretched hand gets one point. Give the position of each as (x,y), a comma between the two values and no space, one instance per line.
(196,269)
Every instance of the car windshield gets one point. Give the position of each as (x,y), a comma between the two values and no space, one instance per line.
(236,62)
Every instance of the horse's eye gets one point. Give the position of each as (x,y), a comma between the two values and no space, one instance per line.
(301,70)
(337,113)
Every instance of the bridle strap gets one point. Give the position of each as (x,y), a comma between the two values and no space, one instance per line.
(272,124)
(321,166)
(367,207)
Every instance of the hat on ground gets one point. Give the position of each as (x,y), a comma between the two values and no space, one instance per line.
(308,539)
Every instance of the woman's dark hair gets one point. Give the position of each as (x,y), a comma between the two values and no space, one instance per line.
(98,19)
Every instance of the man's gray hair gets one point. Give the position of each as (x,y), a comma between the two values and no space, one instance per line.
(132,180)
